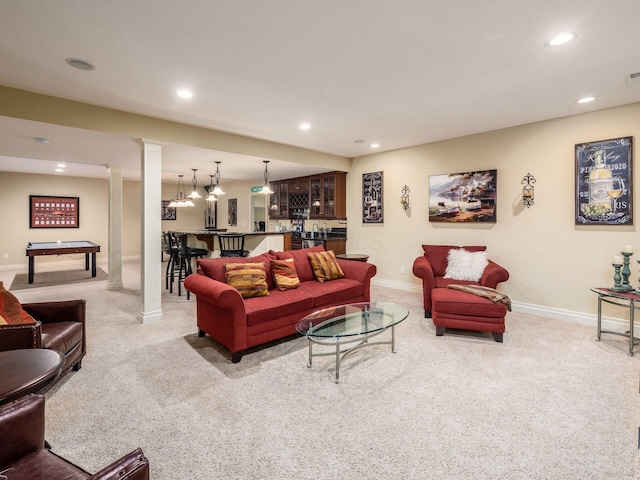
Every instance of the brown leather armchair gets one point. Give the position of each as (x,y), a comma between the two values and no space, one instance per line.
(23,455)
(59,326)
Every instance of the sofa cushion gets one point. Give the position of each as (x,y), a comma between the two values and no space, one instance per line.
(454,302)
(61,336)
(303,266)
(214,267)
(465,265)
(284,274)
(437,255)
(248,278)
(325,266)
(277,305)
(11,312)
(342,290)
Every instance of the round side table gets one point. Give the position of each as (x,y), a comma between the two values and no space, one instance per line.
(358,257)
(27,371)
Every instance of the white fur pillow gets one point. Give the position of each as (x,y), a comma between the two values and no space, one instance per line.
(464,265)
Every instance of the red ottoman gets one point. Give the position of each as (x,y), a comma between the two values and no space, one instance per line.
(456,309)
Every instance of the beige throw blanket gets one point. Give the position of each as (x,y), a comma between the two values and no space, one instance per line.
(486,292)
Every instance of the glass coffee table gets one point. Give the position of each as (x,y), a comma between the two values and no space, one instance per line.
(344,325)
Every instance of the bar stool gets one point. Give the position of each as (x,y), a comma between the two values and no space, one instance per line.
(232,245)
(182,257)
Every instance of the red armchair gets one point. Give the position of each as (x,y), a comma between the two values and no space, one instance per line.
(432,266)
(23,455)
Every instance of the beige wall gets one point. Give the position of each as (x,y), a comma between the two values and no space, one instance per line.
(552,262)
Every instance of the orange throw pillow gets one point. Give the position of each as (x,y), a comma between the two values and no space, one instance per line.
(284,274)
(325,266)
(250,279)
(11,311)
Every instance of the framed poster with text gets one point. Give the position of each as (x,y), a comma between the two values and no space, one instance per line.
(372,198)
(604,182)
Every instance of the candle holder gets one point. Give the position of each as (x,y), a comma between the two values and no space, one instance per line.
(626,272)
(617,284)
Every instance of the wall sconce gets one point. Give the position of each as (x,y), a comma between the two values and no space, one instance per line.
(527,190)
(404,199)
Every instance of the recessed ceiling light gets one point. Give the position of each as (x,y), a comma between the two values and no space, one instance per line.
(585,99)
(80,64)
(561,39)
(305,126)
(61,165)
(59,170)
(375,145)
(184,93)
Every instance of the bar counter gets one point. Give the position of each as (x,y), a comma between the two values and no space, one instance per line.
(256,242)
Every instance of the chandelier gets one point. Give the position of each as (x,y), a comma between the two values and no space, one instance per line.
(181,200)
(194,193)
(265,188)
(211,197)
(217,190)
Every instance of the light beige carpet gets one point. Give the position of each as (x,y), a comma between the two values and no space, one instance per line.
(548,403)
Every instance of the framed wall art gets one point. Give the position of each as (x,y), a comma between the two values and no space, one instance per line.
(372,203)
(233,212)
(168,213)
(604,182)
(54,212)
(463,197)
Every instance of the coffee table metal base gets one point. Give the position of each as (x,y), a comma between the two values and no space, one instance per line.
(339,342)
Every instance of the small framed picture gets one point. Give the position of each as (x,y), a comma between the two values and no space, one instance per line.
(168,213)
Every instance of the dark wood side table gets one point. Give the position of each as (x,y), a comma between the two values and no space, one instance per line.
(27,371)
(358,257)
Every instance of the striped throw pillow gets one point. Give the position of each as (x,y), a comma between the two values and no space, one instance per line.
(284,274)
(325,266)
(250,279)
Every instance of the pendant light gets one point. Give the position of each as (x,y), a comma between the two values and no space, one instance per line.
(211,197)
(218,189)
(194,193)
(265,188)
(181,200)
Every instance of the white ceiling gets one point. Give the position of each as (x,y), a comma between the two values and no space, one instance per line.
(399,73)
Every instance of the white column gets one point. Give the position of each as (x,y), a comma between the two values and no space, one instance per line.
(151,182)
(115,228)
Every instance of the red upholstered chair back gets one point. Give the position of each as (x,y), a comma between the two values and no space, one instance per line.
(437,255)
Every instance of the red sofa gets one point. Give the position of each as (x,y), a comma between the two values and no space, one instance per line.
(239,323)
(432,266)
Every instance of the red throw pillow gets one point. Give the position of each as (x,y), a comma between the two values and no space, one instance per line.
(11,311)
(284,273)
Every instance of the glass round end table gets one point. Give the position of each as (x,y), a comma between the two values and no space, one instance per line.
(344,325)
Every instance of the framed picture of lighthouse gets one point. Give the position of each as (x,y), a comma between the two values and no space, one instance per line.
(604,182)
(468,197)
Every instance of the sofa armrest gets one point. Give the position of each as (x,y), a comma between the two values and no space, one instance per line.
(52,312)
(21,335)
(133,466)
(493,274)
(422,269)
(214,291)
(21,428)
(363,272)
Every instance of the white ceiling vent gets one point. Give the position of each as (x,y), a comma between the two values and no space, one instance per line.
(633,79)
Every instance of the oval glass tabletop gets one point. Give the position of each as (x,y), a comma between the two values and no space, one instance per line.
(352,320)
